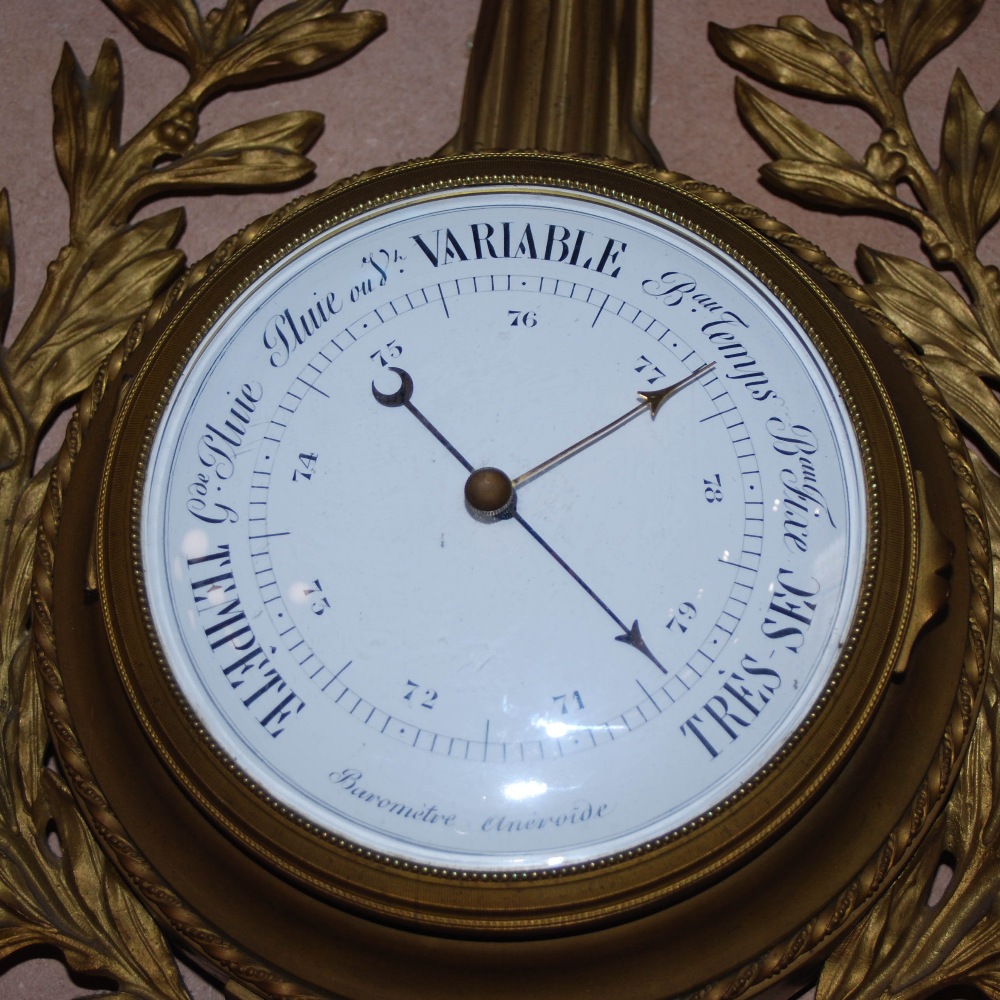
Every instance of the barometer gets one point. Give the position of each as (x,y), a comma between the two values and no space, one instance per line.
(505,565)
(399,624)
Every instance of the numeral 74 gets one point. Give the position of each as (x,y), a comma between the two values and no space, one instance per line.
(306,466)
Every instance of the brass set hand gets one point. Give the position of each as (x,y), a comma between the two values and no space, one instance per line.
(651,401)
(491,495)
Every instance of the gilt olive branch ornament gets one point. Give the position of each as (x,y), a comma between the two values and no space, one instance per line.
(907,948)
(103,280)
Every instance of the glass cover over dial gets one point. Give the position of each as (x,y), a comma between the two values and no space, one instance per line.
(504,529)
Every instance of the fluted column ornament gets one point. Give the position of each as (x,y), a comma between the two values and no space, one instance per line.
(543,75)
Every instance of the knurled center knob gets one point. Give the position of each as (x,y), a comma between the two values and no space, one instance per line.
(489,495)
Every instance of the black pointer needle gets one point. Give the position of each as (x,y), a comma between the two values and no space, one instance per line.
(401,397)
(491,481)
(630,636)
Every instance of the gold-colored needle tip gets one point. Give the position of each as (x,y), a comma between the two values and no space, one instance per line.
(654,400)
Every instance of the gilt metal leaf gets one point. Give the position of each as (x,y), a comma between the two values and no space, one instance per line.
(101,900)
(170,26)
(970,160)
(87,121)
(266,152)
(231,21)
(827,183)
(916,30)
(298,38)
(862,959)
(908,948)
(10,445)
(936,317)
(124,272)
(796,55)
(66,893)
(972,400)
(783,135)
(926,307)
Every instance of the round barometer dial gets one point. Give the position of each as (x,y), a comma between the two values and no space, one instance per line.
(387,606)
(508,547)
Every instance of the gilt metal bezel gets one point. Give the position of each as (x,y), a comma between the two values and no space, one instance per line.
(725,855)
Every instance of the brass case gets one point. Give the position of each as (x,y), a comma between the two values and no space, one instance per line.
(781,869)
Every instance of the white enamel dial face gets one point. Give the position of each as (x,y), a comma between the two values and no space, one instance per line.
(629,646)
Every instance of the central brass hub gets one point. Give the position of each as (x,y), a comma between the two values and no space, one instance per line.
(489,495)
